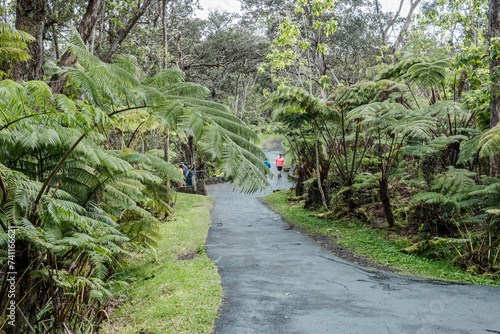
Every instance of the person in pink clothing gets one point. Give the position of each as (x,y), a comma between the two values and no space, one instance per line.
(279,162)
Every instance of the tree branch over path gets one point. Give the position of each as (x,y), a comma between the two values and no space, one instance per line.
(125,31)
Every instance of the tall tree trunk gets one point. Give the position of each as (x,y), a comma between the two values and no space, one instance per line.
(299,166)
(494,18)
(31,17)
(56,42)
(92,39)
(165,39)
(248,88)
(85,29)
(237,95)
(166,148)
(299,188)
(192,160)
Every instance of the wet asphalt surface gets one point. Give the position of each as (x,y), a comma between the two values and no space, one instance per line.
(281,281)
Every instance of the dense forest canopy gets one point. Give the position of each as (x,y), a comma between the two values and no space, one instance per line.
(101,100)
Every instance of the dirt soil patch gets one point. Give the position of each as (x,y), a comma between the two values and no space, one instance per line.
(187,256)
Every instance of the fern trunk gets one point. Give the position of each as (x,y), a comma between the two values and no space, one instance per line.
(386,201)
(299,188)
(26,293)
(318,173)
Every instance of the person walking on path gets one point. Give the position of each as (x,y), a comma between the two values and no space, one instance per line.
(279,162)
(189,178)
(268,165)
(185,171)
(180,184)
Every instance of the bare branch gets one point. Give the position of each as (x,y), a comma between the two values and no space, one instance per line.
(125,31)
(405,26)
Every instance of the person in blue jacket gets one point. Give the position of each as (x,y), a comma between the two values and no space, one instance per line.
(189,178)
(268,164)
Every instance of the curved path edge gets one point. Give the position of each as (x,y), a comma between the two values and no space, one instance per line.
(282,281)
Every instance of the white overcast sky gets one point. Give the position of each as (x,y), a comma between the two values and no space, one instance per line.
(234,6)
(227,5)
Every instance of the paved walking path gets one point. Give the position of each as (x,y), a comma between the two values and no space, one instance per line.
(281,281)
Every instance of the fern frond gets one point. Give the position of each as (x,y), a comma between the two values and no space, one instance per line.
(165,77)
(430,74)
(13,43)
(489,143)
(432,147)
(40,94)
(468,149)
(186,89)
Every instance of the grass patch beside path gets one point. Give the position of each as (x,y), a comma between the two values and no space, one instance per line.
(169,295)
(369,243)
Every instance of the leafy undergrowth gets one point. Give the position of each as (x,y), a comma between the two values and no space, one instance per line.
(377,244)
(176,291)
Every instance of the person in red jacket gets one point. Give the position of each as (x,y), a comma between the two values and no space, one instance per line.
(279,162)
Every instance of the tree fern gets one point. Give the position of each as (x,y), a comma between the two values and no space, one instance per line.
(165,97)
(450,189)
(446,204)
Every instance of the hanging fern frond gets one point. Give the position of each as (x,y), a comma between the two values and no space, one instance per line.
(392,118)
(165,77)
(193,124)
(13,43)
(468,149)
(489,144)
(358,94)
(243,169)
(149,161)
(292,97)
(185,89)
(398,70)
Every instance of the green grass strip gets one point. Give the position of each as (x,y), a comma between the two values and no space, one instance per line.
(370,243)
(168,295)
